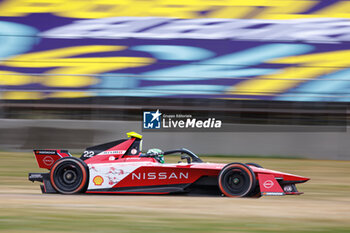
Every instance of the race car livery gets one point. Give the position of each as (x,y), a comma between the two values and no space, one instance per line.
(119,167)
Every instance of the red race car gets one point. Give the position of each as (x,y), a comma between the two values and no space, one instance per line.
(119,167)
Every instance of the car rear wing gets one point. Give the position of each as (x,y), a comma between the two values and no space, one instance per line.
(46,158)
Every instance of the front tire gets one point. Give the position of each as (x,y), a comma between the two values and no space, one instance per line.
(236,180)
(69,175)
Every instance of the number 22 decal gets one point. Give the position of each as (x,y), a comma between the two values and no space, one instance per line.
(88,153)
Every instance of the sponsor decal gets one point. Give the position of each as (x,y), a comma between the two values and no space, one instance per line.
(151,120)
(111,158)
(46,152)
(272,194)
(110,173)
(133,158)
(268,184)
(48,160)
(133,151)
(112,152)
(98,180)
(159,175)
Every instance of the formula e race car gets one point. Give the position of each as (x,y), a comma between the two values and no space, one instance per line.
(119,167)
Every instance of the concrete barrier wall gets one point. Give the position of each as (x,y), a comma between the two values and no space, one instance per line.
(77,135)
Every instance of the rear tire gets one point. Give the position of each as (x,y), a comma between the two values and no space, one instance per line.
(236,180)
(254,164)
(69,175)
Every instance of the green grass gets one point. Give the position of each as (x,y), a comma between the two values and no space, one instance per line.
(77,221)
(324,207)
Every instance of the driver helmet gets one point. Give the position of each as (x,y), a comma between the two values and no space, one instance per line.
(158,154)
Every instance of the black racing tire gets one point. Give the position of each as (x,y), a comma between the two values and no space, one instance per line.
(254,164)
(69,175)
(236,180)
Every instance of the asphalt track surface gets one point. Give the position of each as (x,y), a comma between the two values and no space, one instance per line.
(325,206)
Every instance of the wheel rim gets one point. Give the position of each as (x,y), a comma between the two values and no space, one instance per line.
(236,182)
(68,176)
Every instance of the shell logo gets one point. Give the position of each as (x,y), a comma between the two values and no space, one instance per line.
(98,180)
